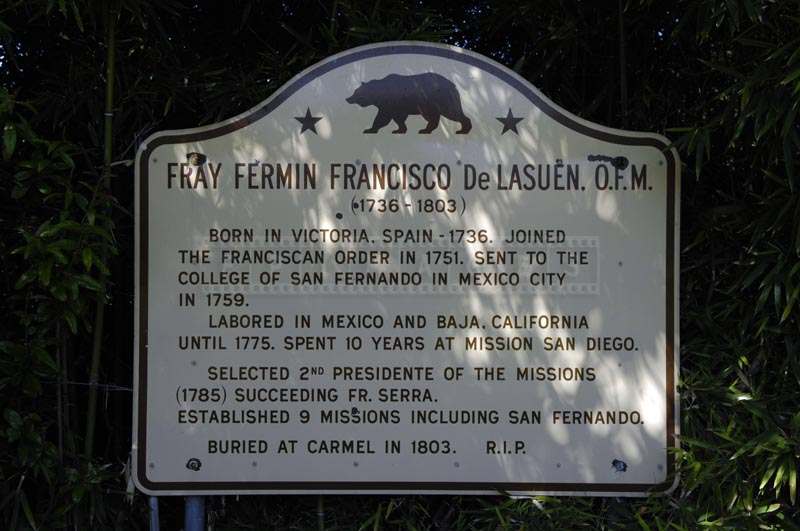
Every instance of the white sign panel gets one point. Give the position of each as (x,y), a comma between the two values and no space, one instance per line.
(406,271)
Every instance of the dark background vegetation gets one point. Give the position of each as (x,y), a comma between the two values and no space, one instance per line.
(721,78)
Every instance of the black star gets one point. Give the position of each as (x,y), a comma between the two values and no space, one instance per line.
(308,122)
(509,122)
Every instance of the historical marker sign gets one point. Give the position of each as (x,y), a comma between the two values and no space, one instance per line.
(406,271)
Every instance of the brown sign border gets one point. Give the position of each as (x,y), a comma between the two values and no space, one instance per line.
(281,96)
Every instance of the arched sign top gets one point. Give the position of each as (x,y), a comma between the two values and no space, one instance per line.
(399,50)
(406,271)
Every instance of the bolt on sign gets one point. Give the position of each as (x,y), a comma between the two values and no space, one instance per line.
(406,271)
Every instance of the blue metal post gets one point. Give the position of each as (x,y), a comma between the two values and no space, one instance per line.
(153,502)
(195,516)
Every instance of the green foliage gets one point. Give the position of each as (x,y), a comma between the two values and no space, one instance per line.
(56,251)
(720,77)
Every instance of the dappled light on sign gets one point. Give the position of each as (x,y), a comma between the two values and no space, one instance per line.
(414,242)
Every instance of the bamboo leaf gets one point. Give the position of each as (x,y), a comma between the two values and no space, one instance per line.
(86,255)
(72,321)
(26,508)
(790,304)
(9,141)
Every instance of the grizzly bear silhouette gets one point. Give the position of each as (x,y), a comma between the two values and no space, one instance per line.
(397,97)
